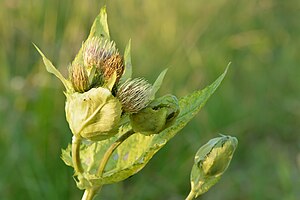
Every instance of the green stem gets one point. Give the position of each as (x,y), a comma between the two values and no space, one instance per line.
(110,150)
(76,154)
(190,196)
(91,193)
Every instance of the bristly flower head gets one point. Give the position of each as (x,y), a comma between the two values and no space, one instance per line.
(112,65)
(96,51)
(79,78)
(103,55)
(135,95)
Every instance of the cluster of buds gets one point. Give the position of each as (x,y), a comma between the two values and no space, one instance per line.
(102,96)
(100,99)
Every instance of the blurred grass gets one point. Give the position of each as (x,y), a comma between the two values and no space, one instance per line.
(258,102)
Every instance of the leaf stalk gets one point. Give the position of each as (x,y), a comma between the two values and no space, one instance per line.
(111,149)
(76,141)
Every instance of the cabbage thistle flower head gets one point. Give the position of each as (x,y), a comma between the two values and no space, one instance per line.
(97,50)
(112,65)
(79,78)
(135,95)
(103,55)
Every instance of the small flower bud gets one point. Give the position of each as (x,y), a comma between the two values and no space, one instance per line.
(135,95)
(214,157)
(111,65)
(155,117)
(211,161)
(96,51)
(79,78)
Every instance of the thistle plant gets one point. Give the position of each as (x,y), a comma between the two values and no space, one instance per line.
(118,123)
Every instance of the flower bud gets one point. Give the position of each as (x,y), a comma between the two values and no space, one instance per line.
(215,156)
(79,78)
(156,117)
(211,161)
(112,65)
(94,114)
(96,51)
(135,95)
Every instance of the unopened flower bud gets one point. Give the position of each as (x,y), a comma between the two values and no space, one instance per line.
(112,65)
(215,156)
(135,95)
(94,114)
(155,117)
(79,78)
(96,51)
(211,161)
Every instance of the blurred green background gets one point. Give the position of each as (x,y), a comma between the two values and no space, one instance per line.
(258,102)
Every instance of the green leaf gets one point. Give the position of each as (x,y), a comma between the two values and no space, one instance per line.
(135,152)
(99,29)
(100,26)
(128,66)
(66,157)
(158,82)
(51,69)
(111,81)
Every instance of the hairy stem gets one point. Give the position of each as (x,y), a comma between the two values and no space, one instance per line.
(76,154)
(91,193)
(110,150)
